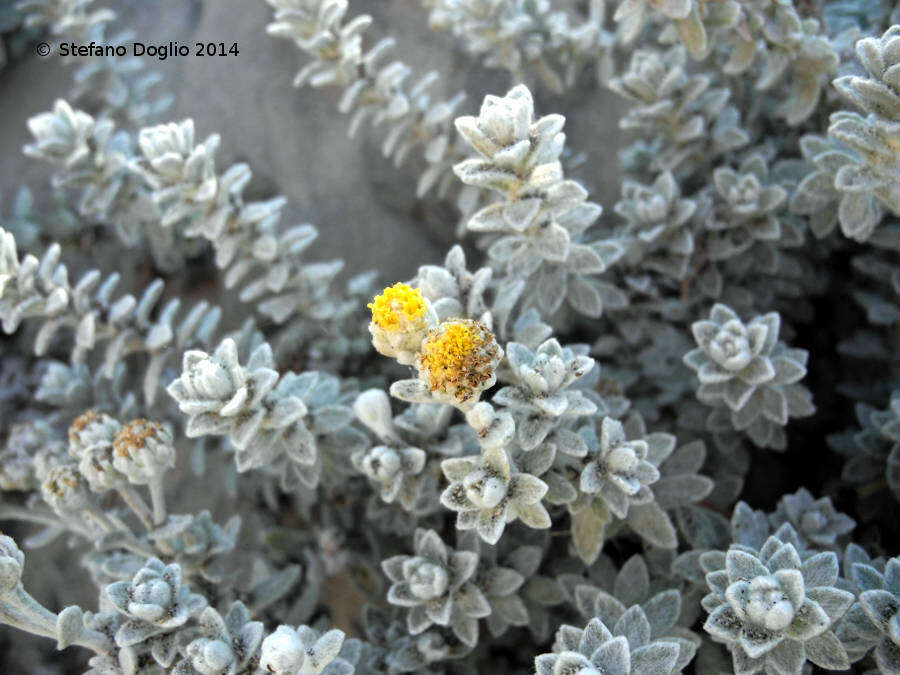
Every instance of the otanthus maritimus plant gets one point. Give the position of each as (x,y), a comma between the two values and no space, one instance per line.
(533,451)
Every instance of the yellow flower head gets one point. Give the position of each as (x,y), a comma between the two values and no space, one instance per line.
(399,307)
(458,358)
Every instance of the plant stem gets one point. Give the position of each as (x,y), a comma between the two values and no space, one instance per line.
(158,499)
(136,503)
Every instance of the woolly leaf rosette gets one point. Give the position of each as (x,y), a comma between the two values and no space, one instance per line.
(773,610)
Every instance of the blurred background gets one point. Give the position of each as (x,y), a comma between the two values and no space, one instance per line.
(294,140)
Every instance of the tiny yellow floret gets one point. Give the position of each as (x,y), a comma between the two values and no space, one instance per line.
(398,307)
(458,358)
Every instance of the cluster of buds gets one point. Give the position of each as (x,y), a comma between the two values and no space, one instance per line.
(90,444)
(111,456)
(455,359)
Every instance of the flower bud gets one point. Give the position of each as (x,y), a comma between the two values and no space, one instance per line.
(90,443)
(32,449)
(64,490)
(142,451)
(89,430)
(16,471)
